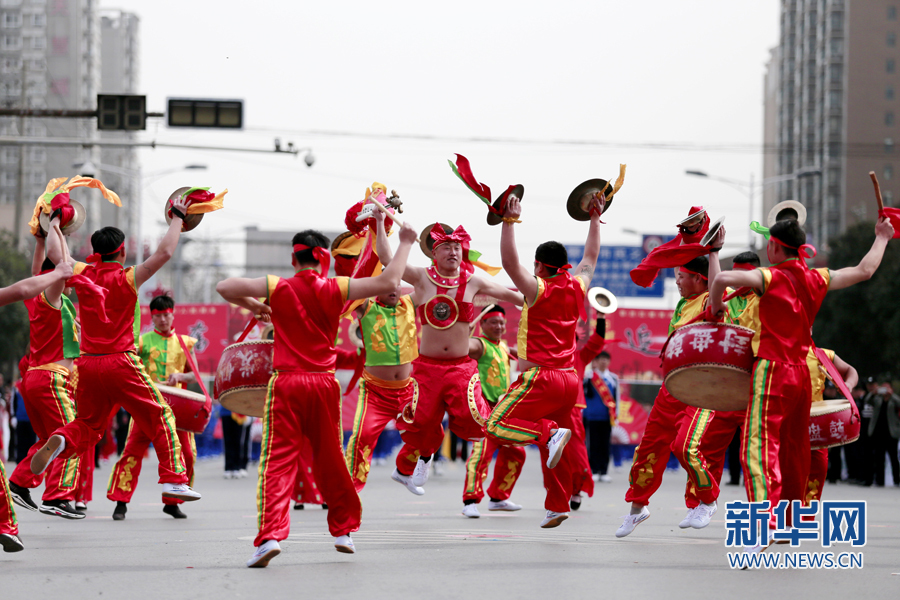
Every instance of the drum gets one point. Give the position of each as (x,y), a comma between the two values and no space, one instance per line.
(242,376)
(191,410)
(708,365)
(833,423)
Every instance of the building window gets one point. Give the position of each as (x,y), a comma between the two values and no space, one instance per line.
(889,92)
(834,99)
(9,156)
(891,39)
(37,155)
(12,20)
(6,198)
(836,73)
(888,198)
(892,13)
(38,20)
(889,118)
(37,42)
(11,42)
(8,179)
(888,172)
(10,3)
(11,65)
(888,145)
(834,176)
(889,65)
(836,47)
(837,20)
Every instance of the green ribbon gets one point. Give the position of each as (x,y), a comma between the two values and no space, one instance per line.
(760,229)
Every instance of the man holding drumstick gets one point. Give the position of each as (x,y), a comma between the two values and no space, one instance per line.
(165,362)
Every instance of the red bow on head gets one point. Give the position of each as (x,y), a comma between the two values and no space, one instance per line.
(96,256)
(459,235)
(61,201)
(320,254)
(805,250)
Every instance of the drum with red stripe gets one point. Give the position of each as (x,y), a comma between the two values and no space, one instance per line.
(242,377)
(192,410)
(833,423)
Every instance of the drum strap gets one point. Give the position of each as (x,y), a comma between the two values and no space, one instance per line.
(248,328)
(207,406)
(837,379)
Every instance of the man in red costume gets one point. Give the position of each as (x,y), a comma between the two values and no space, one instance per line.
(22,290)
(538,407)
(47,391)
(110,373)
(775,449)
(447,378)
(304,397)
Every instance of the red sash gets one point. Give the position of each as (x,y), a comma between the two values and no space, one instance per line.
(601,388)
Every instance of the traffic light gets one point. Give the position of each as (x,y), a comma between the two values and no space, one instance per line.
(121,112)
(221,114)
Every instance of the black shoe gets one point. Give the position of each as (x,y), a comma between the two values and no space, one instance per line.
(60,508)
(298,506)
(11,542)
(22,497)
(174,511)
(119,512)
(324,506)
(575,502)
(81,507)
(733,483)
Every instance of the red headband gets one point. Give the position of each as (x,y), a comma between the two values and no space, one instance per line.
(700,275)
(742,267)
(494,309)
(161,312)
(459,235)
(801,249)
(565,267)
(320,254)
(95,257)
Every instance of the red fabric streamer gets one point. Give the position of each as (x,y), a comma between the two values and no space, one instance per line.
(682,249)
(95,257)
(743,267)
(161,312)
(320,254)
(88,290)
(465,173)
(67,212)
(893,215)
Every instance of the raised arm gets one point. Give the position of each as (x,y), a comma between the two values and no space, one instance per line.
(244,292)
(715,267)
(585,269)
(476,348)
(367,287)
(411,275)
(734,279)
(843,278)
(500,292)
(509,253)
(31,287)
(166,247)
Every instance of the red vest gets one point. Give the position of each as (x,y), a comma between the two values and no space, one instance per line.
(122,310)
(787,309)
(306,312)
(45,331)
(547,327)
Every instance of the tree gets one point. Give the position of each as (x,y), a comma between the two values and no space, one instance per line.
(14,266)
(862,323)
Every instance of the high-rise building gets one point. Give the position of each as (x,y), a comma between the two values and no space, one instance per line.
(51,52)
(831,110)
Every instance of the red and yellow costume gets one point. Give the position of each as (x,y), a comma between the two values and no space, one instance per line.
(542,398)
(8,522)
(445,385)
(162,355)
(676,427)
(389,335)
(493,369)
(818,463)
(775,447)
(110,373)
(47,392)
(304,398)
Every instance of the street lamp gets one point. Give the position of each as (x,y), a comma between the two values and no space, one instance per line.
(747,187)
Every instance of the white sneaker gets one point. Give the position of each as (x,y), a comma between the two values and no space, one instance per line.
(504,505)
(241,474)
(344,544)
(686,521)
(605,478)
(420,475)
(757,549)
(595,477)
(180,491)
(43,457)
(471,511)
(702,515)
(228,475)
(556,445)
(553,519)
(438,467)
(407,481)
(632,521)
(269,550)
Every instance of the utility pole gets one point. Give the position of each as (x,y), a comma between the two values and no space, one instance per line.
(23,188)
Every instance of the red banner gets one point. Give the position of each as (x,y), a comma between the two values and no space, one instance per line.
(642,333)
(208,323)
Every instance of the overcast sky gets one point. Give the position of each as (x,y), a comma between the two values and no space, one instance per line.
(619,76)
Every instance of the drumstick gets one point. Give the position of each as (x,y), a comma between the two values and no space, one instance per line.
(383,209)
(874,179)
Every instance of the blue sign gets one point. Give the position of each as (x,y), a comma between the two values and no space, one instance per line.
(613,270)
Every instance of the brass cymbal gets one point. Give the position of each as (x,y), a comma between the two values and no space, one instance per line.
(493,218)
(190,221)
(73,225)
(789,209)
(580,198)
(426,243)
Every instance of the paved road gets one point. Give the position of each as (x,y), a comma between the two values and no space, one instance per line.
(421,547)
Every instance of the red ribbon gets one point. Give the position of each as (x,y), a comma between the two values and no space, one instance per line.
(892,215)
(742,267)
(161,312)
(565,267)
(686,270)
(95,257)
(320,254)
(459,235)
(67,212)
(802,249)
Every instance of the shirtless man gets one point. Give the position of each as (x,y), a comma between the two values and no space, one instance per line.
(447,378)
